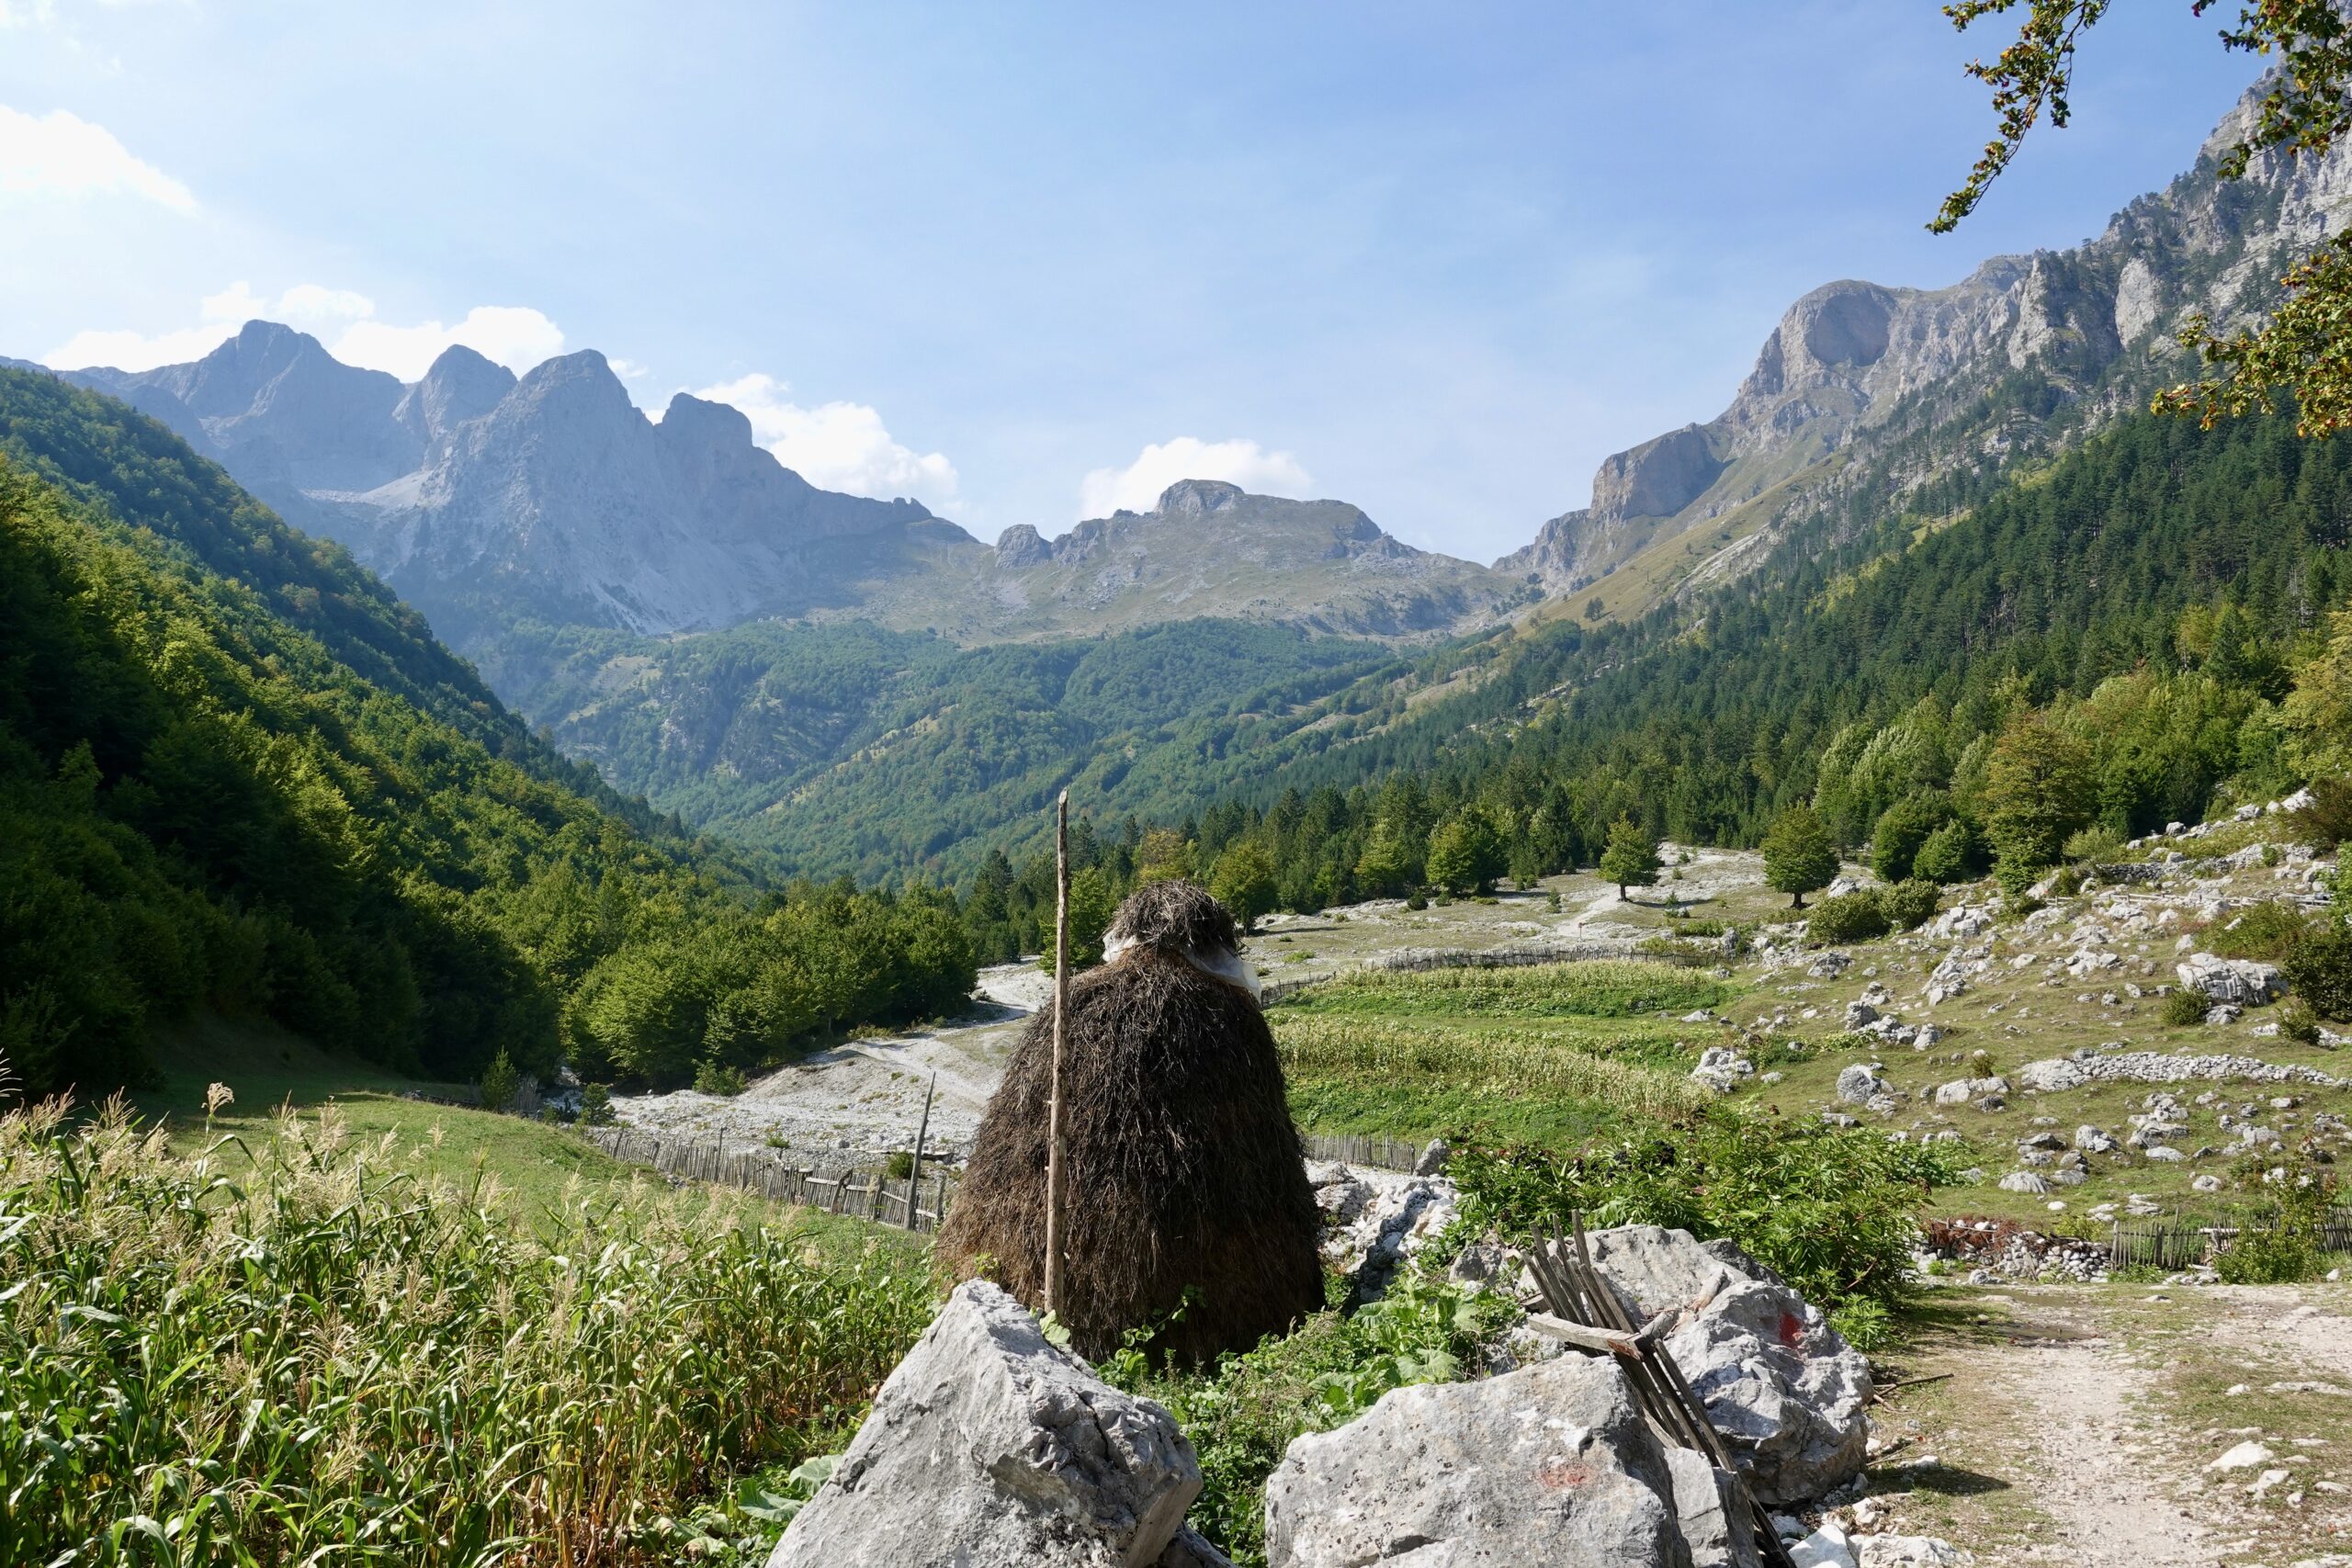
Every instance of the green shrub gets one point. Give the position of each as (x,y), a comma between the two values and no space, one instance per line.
(1417,900)
(500,1082)
(1910,904)
(1949,854)
(1849,917)
(2268,931)
(1833,1211)
(715,1076)
(899,1166)
(2093,844)
(2183,1006)
(2318,968)
(2298,1024)
(2327,820)
(2287,1249)
(596,1105)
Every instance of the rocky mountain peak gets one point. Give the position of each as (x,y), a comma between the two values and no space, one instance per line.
(1199,496)
(690,419)
(1021,545)
(460,386)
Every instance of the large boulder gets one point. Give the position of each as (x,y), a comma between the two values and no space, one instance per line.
(1550,1464)
(989,1448)
(1785,1390)
(2237,981)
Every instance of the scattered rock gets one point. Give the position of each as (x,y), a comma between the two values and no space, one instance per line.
(2058,1072)
(1378,1219)
(1721,1067)
(2023,1181)
(989,1448)
(1909,1552)
(1434,1157)
(1827,1546)
(2245,1456)
(1859,1014)
(2094,1140)
(1550,1464)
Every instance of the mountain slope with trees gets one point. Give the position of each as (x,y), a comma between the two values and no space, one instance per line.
(235,775)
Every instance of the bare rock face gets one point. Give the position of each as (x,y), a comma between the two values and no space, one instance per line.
(989,1447)
(1785,1390)
(1658,479)
(1551,1464)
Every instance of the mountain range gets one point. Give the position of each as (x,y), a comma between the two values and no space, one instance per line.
(666,600)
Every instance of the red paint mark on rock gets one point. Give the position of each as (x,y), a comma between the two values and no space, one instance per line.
(1561,1474)
(1792,1328)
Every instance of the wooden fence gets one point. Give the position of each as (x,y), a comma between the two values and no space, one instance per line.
(2150,1244)
(868,1194)
(1383,1154)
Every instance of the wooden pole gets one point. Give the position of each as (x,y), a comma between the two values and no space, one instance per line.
(914,1171)
(1061,1041)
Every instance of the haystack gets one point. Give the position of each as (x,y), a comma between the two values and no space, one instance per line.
(1180,1167)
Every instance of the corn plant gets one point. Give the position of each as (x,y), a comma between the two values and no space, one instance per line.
(306,1353)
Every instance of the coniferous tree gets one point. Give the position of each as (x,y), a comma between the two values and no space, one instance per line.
(1630,859)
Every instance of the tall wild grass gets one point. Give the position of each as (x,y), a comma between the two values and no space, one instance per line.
(315,1355)
(1511,1063)
(1603,988)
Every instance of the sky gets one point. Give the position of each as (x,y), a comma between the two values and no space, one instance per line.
(1028,262)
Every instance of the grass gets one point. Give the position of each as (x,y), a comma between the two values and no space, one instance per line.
(1602,989)
(309,1344)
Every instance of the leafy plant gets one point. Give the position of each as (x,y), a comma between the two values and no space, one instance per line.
(1849,917)
(715,1076)
(1910,905)
(1833,1211)
(2183,1006)
(596,1105)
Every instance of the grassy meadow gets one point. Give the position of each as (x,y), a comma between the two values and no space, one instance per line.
(1545,1054)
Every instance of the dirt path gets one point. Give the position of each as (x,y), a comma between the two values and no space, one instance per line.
(2082,1424)
(2109,1490)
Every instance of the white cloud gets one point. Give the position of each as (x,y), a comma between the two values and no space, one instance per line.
(1136,487)
(837,446)
(514,336)
(61,154)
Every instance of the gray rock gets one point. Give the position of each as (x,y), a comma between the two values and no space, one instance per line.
(1908,1551)
(2023,1181)
(1718,1525)
(1860,1015)
(1859,1084)
(2094,1140)
(1784,1389)
(2236,981)
(1434,1157)
(1551,1464)
(989,1447)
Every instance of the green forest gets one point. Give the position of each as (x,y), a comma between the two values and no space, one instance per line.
(236,774)
(2160,616)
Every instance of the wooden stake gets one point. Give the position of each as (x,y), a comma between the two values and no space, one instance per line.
(1062,1040)
(914,1172)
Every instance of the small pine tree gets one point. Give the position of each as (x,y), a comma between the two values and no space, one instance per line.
(500,1082)
(596,1105)
(1630,859)
(1798,855)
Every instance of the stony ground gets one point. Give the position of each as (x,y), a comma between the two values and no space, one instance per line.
(2126,1426)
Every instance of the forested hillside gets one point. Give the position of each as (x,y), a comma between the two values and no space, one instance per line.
(851,747)
(2169,604)
(236,774)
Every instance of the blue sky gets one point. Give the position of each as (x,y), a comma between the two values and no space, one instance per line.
(1029,261)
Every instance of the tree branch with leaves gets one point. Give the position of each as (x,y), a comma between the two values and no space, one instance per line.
(2304,350)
